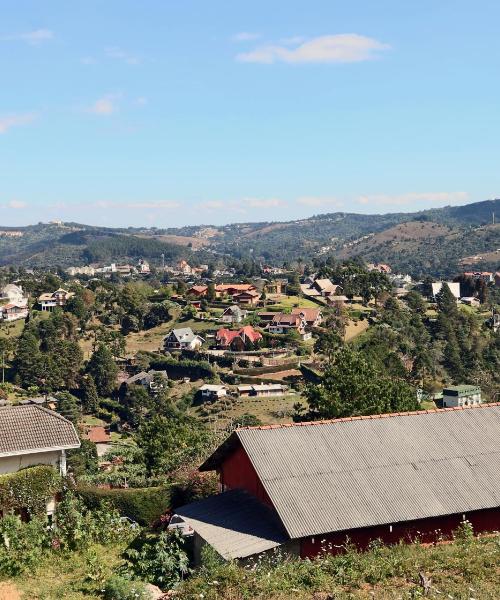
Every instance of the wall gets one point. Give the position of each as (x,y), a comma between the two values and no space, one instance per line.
(237,472)
(11,464)
(426,530)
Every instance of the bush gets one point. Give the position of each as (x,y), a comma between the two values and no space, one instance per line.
(143,505)
(29,489)
(22,545)
(119,588)
(159,559)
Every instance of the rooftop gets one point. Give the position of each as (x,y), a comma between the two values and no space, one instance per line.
(363,471)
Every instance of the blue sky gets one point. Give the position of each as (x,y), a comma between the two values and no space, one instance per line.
(170,112)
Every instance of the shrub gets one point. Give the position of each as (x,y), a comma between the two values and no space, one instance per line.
(192,485)
(119,588)
(21,544)
(29,489)
(143,505)
(159,559)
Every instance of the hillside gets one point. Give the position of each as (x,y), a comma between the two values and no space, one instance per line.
(435,241)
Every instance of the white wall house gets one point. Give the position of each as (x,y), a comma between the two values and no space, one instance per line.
(33,435)
(461,395)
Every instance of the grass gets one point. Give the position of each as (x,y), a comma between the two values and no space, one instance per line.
(288,302)
(466,569)
(70,576)
(12,330)
(355,328)
(270,410)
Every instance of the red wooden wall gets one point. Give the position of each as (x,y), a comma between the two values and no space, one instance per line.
(237,472)
(426,530)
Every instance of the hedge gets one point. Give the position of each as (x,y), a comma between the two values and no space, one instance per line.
(29,488)
(143,505)
(184,368)
(267,369)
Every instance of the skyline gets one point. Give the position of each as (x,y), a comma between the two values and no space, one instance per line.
(166,115)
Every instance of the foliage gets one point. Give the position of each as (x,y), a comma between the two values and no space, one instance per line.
(83,461)
(160,559)
(352,386)
(189,485)
(103,369)
(171,441)
(29,489)
(21,544)
(142,505)
(120,588)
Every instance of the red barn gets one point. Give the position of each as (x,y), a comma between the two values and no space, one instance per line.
(310,486)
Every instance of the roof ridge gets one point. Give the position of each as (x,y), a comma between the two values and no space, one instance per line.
(369,417)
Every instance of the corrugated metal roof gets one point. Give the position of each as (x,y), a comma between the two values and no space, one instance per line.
(235,524)
(347,474)
(33,428)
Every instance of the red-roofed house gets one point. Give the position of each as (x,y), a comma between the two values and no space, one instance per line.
(312,316)
(237,340)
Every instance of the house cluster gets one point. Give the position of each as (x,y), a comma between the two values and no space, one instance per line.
(310,488)
(184,268)
(13,303)
(142,268)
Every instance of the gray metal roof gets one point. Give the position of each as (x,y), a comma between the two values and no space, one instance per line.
(234,523)
(346,474)
(32,428)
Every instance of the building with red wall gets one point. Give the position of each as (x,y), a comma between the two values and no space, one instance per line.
(310,487)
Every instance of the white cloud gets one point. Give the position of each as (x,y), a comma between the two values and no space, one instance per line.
(34,38)
(14,204)
(104,106)
(15,120)
(413,198)
(340,48)
(263,202)
(245,36)
(119,54)
(320,201)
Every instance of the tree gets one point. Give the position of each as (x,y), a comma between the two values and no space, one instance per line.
(211,293)
(90,397)
(157,314)
(446,301)
(68,406)
(6,347)
(170,441)
(103,369)
(416,302)
(352,386)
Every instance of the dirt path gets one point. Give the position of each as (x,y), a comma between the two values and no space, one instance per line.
(8,591)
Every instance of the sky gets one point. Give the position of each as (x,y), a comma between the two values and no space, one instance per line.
(168,113)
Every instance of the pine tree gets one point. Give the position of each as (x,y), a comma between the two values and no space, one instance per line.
(103,369)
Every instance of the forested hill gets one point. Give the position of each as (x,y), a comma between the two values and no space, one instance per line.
(436,241)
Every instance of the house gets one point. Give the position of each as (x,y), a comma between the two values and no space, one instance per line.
(233,289)
(197,290)
(309,488)
(233,314)
(286,323)
(184,267)
(461,395)
(266,317)
(320,288)
(211,393)
(249,298)
(312,316)
(485,276)
(180,339)
(73,271)
(277,286)
(453,285)
(13,294)
(52,300)
(470,301)
(100,437)
(33,435)
(13,311)
(262,390)
(237,340)
(148,380)
(143,267)
(380,267)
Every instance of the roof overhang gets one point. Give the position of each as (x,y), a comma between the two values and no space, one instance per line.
(39,450)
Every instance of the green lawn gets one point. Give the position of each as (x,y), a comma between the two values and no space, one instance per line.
(12,330)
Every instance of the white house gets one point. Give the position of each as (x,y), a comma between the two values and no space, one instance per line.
(454,288)
(233,314)
(212,392)
(13,311)
(180,339)
(49,301)
(461,395)
(13,294)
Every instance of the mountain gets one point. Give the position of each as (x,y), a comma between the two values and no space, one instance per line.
(436,241)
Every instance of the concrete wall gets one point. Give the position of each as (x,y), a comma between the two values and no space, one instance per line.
(11,464)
